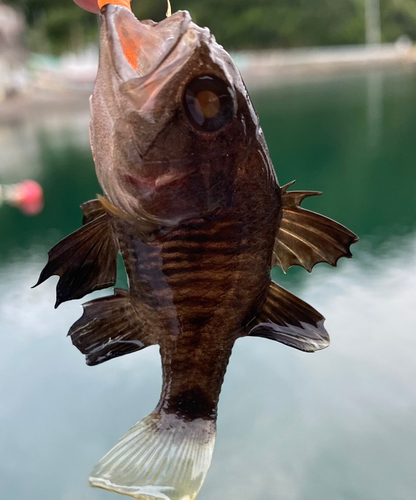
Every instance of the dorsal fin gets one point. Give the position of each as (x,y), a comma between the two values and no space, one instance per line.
(305,238)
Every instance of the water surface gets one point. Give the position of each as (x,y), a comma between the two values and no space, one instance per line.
(336,425)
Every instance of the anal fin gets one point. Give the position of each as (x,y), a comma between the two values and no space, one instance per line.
(306,238)
(291,321)
(109,328)
(86,260)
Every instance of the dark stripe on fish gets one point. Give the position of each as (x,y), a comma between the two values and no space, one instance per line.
(191,404)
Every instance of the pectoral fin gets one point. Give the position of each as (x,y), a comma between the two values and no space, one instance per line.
(109,328)
(287,319)
(306,238)
(92,209)
(86,260)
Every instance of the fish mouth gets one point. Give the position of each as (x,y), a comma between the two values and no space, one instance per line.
(139,48)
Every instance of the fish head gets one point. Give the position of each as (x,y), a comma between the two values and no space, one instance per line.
(171,118)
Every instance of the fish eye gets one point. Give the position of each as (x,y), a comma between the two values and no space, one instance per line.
(208,103)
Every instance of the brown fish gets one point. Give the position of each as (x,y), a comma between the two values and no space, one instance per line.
(192,202)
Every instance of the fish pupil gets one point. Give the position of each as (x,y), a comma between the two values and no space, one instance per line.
(208,103)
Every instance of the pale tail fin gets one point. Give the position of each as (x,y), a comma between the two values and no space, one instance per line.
(162,457)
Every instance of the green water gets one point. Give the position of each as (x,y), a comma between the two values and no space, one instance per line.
(336,425)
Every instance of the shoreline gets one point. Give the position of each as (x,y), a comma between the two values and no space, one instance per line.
(260,69)
(269,67)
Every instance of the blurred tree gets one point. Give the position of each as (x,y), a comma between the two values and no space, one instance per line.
(398,18)
(58,24)
(280,23)
(53,24)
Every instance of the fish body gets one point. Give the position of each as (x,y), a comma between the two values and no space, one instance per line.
(192,203)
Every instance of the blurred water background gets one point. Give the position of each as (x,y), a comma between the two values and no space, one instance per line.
(335,425)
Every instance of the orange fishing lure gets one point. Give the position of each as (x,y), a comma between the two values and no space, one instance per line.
(95,5)
(123,3)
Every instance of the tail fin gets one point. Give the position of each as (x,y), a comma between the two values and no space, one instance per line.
(162,457)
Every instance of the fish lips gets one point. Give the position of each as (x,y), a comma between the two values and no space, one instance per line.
(145,54)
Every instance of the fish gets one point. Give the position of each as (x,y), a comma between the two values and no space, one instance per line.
(192,203)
